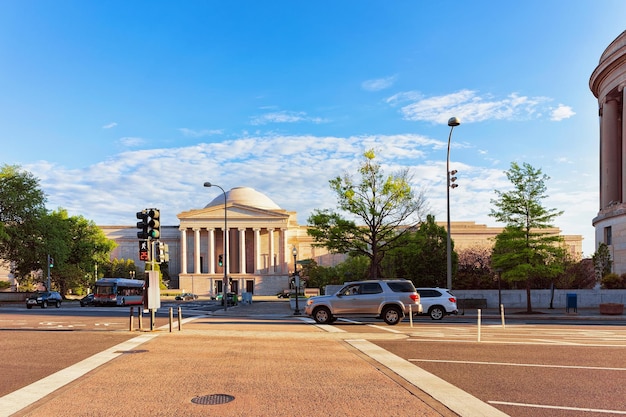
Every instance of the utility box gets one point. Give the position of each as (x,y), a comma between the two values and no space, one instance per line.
(152,291)
(571,302)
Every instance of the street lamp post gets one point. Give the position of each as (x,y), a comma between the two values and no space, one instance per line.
(225,250)
(296,279)
(452,122)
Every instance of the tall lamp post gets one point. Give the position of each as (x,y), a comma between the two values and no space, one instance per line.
(452,122)
(225,250)
(296,279)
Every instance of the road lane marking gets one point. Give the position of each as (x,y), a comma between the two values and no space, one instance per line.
(457,400)
(23,397)
(529,365)
(556,407)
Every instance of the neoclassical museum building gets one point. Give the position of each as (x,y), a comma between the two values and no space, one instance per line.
(607,83)
(261,240)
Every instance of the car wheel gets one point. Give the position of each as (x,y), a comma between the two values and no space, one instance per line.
(392,315)
(322,315)
(58,304)
(436,313)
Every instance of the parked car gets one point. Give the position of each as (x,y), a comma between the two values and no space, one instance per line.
(437,302)
(390,300)
(186,297)
(87,300)
(44,299)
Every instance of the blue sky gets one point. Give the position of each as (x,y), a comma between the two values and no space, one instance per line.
(117,106)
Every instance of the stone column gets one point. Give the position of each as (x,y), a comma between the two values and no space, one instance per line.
(183,251)
(271,250)
(257,249)
(242,250)
(196,251)
(284,251)
(610,147)
(211,251)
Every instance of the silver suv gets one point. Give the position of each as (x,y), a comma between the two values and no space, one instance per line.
(437,302)
(390,300)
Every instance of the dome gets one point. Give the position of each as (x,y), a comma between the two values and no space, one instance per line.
(245,196)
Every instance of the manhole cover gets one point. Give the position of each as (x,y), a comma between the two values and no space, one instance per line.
(213,399)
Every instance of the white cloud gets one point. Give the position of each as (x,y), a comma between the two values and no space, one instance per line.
(466,105)
(292,170)
(285,117)
(131,142)
(199,133)
(378,84)
(110,125)
(561,112)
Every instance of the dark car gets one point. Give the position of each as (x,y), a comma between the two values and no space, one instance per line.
(44,299)
(87,300)
(186,297)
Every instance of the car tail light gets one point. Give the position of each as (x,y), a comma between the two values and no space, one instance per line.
(415,297)
(452,299)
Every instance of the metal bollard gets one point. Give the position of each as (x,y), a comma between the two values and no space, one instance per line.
(130,322)
(411,315)
(140,317)
(171,318)
(502,315)
(180,319)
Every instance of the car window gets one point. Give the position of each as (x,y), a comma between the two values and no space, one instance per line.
(371,288)
(401,286)
(351,290)
(429,293)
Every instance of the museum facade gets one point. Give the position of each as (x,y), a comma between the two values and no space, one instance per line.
(261,241)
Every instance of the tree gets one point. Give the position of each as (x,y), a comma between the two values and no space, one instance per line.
(421,255)
(22,208)
(524,251)
(77,245)
(602,262)
(383,204)
(474,269)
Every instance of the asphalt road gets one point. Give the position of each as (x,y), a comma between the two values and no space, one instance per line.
(546,369)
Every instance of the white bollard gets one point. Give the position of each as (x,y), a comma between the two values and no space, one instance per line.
(502,315)
(479,311)
(411,315)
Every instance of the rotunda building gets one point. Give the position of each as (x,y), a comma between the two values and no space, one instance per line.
(607,83)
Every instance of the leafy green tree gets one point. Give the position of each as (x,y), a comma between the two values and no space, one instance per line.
(22,208)
(602,262)
(77,245)
(524,251)
(421,255)
(383,205)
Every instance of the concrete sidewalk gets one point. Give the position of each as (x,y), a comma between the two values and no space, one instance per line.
(251,360)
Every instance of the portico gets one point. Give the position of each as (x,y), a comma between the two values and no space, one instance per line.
(257,237)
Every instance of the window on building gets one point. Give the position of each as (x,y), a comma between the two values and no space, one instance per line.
(608,235)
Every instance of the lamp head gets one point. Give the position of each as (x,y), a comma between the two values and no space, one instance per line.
(454,121)
(294,251)
(208,184)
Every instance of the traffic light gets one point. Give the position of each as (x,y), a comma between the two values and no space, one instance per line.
(143,225)
(154,225)
(220,260)
(452,179)
(144,253)
(50,261)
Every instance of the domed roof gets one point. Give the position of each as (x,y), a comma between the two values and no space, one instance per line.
(245,196)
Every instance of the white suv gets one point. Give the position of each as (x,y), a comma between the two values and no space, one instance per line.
(437,302)
(390,300)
